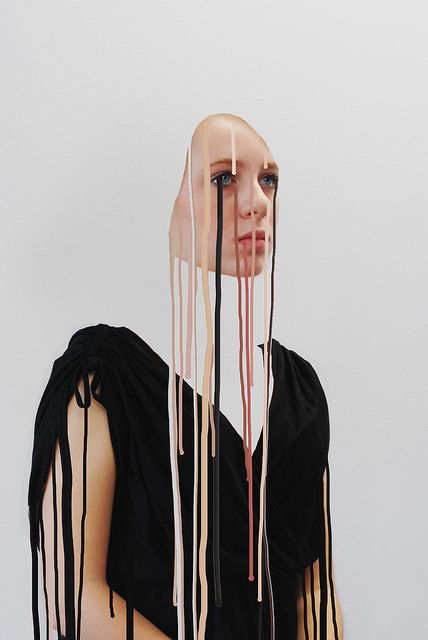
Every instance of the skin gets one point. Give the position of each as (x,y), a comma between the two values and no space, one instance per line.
(101,471)
(251,151)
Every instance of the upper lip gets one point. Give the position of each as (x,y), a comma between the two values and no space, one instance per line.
(259,234)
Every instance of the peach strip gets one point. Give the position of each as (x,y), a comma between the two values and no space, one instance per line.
(178,591)
(253,263)
(265,405)
(180,333)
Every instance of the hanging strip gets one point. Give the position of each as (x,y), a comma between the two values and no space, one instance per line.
(322,567)
(178,586)
(195,402)
(247,435)
(330,551)
(67,531)
(265,393)
(217,358)
(180,339)
(190,276)
(205,388)
(85,405)
(45,591)
(266,448)
(33,516)
(253,265)
(55,517)
(129,591)
(239,308)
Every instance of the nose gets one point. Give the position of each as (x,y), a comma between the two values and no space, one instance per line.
(251,197)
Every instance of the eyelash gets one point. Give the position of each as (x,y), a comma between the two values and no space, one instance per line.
(274,177)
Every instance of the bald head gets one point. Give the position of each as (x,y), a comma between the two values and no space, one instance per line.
(218,122)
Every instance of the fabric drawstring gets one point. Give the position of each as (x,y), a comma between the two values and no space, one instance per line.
(129,592)
(34,574)
(55,517)
(45,591)
(85,405)
(110,600)
(305,605)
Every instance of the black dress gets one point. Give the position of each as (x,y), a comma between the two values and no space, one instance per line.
(134,391)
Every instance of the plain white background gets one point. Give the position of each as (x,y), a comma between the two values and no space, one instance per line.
(99,100)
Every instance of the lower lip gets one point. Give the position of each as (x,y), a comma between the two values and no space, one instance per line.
(259,243)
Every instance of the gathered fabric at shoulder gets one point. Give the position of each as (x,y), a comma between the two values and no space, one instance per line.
(119,360)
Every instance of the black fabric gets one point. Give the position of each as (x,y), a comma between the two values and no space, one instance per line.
(134,391)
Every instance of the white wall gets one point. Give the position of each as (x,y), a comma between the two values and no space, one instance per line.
(99,101)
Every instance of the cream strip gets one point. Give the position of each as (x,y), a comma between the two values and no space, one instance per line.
(205,387)
(265,538)
(189,317)
(253,262)
(249,456)
(195,401)
(178,587)
(180,333)
(233,144)
(265,401)
(239,297)
(240,328)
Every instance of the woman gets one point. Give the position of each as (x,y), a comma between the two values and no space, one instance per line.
(168,532)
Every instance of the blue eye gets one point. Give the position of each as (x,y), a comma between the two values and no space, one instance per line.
(225,174)
(226,177)
(272,177)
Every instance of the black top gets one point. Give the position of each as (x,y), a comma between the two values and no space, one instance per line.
(140,565)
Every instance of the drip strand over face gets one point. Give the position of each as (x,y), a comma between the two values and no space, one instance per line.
(224,220)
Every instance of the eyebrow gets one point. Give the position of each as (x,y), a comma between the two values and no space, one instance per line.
(239,163)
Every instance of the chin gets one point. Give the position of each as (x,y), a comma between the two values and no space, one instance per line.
(230,270)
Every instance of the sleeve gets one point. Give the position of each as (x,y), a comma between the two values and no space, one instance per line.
(99,349)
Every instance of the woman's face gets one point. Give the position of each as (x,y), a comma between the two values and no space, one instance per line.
(251,188)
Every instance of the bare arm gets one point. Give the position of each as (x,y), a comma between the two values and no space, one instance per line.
(101,475)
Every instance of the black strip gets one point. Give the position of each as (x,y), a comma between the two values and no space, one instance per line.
(216,464)
(129,593)
(55,525)
(111,601)
(86,405)
(34,575)
(305,604)
(272,288)
(67,531)
(314,614)
(45,591)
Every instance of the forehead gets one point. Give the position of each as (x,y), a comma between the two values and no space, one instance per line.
(250,149)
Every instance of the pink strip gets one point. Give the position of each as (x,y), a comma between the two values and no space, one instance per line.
(253,262)
(249,455)
(180,329)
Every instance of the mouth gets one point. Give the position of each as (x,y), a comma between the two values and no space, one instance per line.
(246,239)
